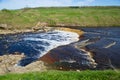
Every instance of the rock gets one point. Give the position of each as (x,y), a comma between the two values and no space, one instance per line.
(8,64)
(40,26)
(3,26)
(69,58)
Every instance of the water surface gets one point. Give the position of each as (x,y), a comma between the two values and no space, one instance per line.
(98,48)
(35,45)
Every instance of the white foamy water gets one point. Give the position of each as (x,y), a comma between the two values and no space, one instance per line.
(51,40)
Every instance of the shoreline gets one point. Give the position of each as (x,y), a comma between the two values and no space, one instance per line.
(5,32)
(8,65)
(17,31)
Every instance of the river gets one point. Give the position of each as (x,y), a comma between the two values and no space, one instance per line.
(98,48)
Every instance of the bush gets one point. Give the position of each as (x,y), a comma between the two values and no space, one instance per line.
(5,10)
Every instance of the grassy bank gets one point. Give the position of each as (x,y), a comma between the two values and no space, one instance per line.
(61,75)
(85,17)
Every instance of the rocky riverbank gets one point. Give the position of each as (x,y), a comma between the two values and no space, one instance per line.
(39,29)
(8,64)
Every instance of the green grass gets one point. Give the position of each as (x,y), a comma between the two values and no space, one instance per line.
(64,75)
(84,17)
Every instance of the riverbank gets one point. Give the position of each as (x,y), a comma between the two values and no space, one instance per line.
(28,18)
(8,64)
(5,32)
(41,29)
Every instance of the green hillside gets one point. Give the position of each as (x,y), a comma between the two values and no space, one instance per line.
(67,16)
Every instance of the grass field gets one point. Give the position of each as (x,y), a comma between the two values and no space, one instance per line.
(64,75)
(84,17)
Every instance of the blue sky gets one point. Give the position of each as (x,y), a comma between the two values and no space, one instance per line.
(17,4)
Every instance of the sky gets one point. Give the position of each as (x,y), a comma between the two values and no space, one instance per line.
(17,4)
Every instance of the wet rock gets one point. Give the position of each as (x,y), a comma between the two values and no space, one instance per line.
(106,59)
(68,57)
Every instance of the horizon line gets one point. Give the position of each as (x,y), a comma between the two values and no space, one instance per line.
(64,7)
